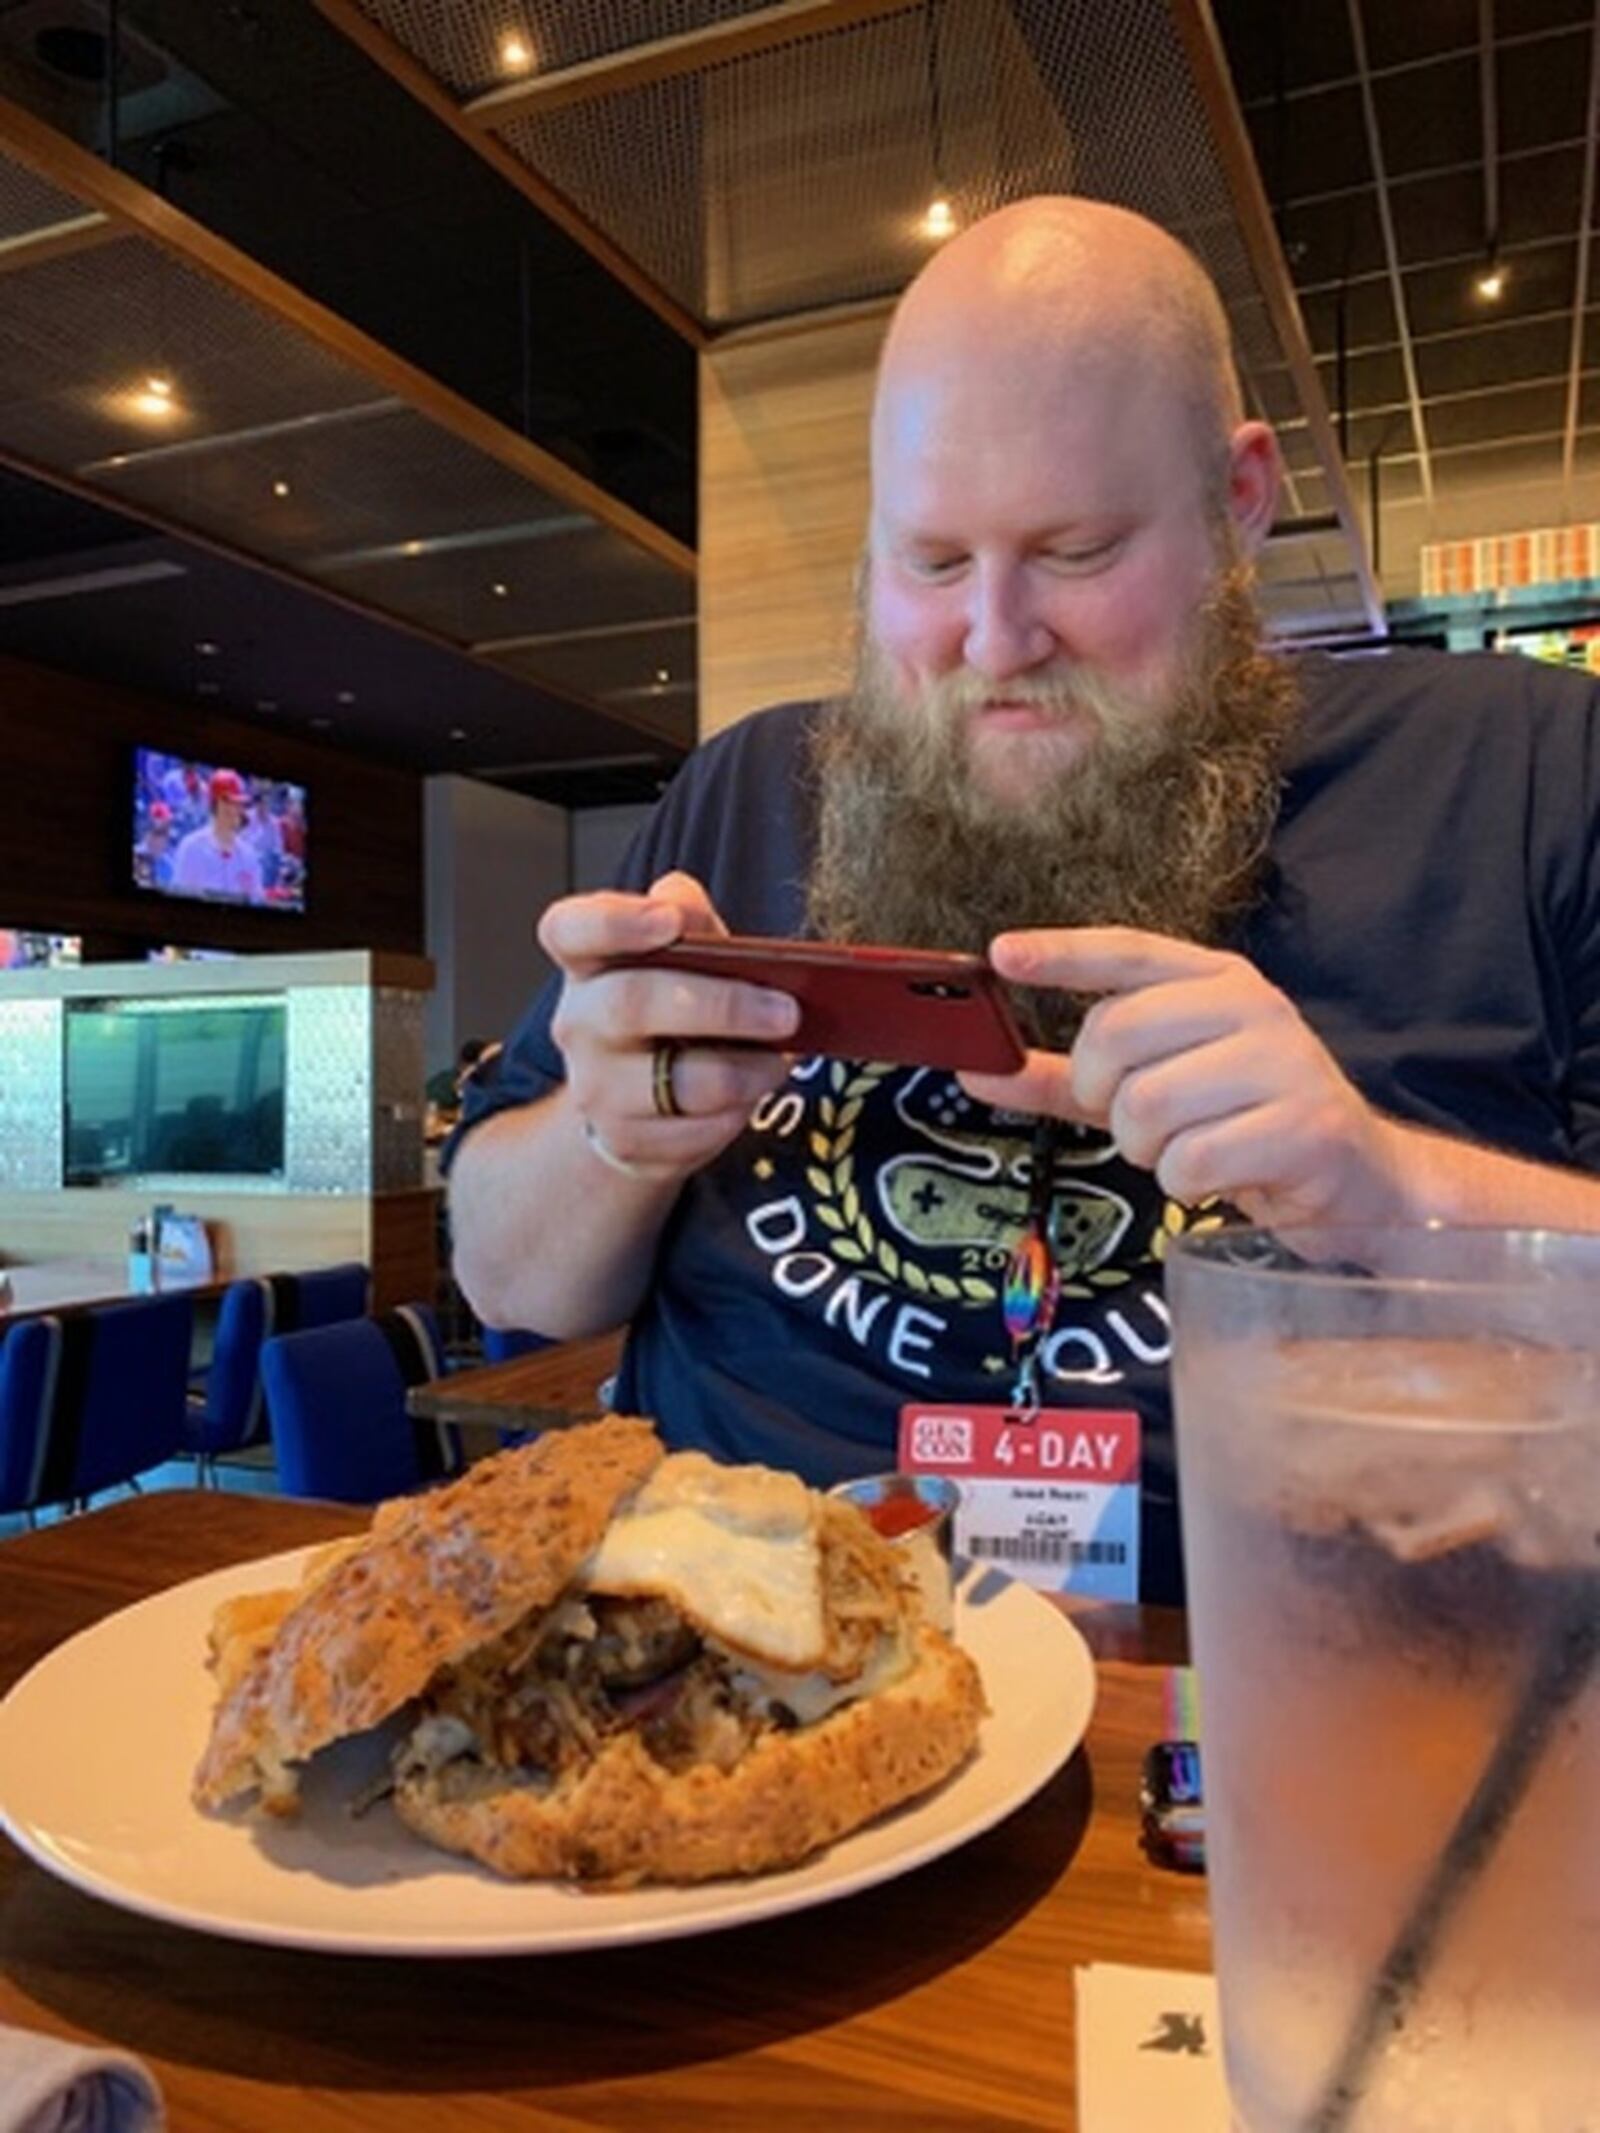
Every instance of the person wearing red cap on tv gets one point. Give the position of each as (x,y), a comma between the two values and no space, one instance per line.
(152,858)
(215,860)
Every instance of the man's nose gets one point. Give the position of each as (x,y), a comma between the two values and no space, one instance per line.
(1005,633)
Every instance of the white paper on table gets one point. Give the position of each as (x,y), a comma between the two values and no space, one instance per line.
(1149,2051)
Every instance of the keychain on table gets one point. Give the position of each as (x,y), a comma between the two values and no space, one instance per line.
(1033,1279)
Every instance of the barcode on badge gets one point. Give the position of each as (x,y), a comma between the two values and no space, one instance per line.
(1043,1548)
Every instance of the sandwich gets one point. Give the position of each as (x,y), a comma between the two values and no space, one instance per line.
(607,1665)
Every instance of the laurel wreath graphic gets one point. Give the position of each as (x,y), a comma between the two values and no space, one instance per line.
(1177,1220)
(841,1210)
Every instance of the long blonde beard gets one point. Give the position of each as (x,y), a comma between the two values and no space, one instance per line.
(1163,824)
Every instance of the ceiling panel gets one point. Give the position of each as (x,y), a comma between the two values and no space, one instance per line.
(1543,89)
(1428,117)
(28,205)
(1516,411)
(576,576)
(199,404)
(466,46)
(798,176)
(1509,354)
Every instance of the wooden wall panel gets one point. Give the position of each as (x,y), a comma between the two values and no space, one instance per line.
(783,505)
(251,1232)
(66,768)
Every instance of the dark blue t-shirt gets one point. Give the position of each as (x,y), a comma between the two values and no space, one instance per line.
(1433,906)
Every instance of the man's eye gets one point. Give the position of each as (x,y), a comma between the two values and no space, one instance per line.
(1083,558)
(936,566)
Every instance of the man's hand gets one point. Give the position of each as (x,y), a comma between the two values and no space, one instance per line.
(609,1021)
(1205,1074)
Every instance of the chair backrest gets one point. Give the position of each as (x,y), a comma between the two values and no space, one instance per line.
(336,1398)
(328,1294)
(92,1398)
(501,1343)
(234,1415)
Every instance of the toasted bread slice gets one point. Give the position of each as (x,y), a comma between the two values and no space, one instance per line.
(437,1576)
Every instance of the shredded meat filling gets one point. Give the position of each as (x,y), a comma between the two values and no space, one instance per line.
(547,1695)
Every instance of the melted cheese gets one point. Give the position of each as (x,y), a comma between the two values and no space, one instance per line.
(734,1548)
(812,1696)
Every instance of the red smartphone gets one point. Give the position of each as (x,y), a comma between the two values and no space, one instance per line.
(906,1006)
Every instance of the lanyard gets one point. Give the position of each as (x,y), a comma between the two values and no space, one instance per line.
(1033,1279)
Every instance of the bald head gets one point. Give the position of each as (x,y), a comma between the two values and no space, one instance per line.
(1056,281)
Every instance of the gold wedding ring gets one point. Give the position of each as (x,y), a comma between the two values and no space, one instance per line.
(663,1058)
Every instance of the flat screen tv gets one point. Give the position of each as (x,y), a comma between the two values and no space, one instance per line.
(174,1088)
(208,831)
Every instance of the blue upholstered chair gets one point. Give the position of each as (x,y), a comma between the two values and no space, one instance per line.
(226,1410)
(91,1399)
(501,1343)
(336,1402)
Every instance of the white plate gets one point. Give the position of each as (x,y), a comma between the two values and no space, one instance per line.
(98,1741)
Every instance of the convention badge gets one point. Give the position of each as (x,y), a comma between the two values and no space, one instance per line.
(1050,1496)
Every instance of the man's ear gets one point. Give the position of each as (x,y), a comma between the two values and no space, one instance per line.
(1253,469)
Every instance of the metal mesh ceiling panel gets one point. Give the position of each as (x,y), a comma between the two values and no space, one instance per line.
(167,391)
(632,665)
(799,176)
(27,204)
(578,575)
(81,335)
(464,46)
(373,479)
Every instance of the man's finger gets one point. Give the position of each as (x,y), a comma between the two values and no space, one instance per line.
(1042,1085)
(1098,958)
(581,932)
(688,896)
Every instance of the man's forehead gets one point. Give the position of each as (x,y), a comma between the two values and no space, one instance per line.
(1064,442)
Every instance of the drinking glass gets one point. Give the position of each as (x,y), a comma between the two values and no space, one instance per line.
(1389,1461)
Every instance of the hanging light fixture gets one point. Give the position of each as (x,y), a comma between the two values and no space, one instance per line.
(939,219)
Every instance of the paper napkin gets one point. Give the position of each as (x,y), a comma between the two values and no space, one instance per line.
(1149,2051)
(50,2086)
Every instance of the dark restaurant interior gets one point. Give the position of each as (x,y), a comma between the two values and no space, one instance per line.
(423,424)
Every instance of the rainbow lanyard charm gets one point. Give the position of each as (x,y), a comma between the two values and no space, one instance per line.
(1033,1280)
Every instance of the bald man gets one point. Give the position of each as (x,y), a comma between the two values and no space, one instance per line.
(1312,941)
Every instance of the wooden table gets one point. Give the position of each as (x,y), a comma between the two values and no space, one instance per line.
(545,1390)
(79,1284)
(941,2001)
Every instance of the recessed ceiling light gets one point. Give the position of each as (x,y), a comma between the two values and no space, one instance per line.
(1491,283)
(499,590)
(207,649)
(320,723)
(151,400)
(206,688)
(939,220)
(345,696)
(266,703)
(458,733)
(280,488)
(516,54)
(662,674)
(411,548)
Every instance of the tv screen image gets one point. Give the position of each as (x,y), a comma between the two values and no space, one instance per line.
(208,831)
(38,951)
(175,1088)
